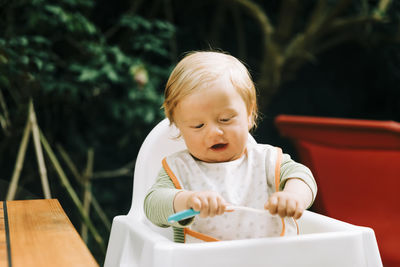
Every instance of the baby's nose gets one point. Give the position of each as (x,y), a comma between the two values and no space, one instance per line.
(215,130)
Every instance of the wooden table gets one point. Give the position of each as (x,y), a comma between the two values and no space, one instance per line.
(39,233)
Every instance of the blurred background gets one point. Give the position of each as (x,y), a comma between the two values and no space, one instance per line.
(85,79)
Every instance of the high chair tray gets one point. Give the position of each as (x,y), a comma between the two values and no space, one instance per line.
(322,242)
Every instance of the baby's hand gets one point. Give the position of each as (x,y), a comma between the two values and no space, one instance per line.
(209,203)
(286,204)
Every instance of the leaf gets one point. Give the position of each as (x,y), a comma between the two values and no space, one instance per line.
(88,75)
(38,63)
(24,60)
(110,73)
(40,40)
(3,59)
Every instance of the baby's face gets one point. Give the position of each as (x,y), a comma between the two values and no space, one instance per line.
(214,123)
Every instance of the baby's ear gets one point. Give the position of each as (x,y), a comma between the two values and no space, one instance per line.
(250,121)
(250,117)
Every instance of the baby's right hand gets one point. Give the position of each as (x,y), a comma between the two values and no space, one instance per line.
(209,203)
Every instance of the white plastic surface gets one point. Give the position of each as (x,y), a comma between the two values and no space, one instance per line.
(135,242)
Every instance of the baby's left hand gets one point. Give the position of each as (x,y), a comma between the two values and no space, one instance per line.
(286,204)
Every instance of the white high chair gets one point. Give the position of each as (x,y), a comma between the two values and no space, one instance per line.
(136,242)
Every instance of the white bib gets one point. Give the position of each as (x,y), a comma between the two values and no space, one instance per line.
(247,181)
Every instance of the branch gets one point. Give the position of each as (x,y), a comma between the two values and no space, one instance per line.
(317,18)
(6,118)
(338,9)
(70,164)
(334,41)
(340,24)
(65,182)
(256,11)
(39,151)
(77,175)
(4,125)
(380,11)
(321,17)
(20,161)
(102,215)
(272,60)
(123,171)
(286,19)
(87,193)
(305,46)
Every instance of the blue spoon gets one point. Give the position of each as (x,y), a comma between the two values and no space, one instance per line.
(179,216)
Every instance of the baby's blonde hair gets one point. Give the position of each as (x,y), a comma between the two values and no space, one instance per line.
(197,69)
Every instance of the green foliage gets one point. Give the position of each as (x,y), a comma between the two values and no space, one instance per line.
(55,53)
(92,87)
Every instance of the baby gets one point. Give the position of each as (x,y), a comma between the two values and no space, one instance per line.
(211,99)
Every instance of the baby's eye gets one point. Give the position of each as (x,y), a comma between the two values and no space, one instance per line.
(225,119)
(198,126)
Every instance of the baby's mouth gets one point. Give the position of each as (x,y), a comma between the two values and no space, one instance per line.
(219,146)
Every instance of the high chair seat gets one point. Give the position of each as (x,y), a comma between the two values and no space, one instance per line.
(136,242)
(356,164)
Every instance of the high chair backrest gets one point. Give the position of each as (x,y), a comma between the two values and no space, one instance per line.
(160,142)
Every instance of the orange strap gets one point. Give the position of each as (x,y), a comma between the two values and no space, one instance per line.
(198,235)
(171,174)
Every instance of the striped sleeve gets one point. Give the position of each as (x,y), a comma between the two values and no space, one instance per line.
(159,202)
(179,235)
(292,169)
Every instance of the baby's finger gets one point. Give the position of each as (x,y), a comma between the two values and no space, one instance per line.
(282,204)
(272,205)
(291,207)
(195,204)
(204,211)
(213,206)
(298,213)
(221,206)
